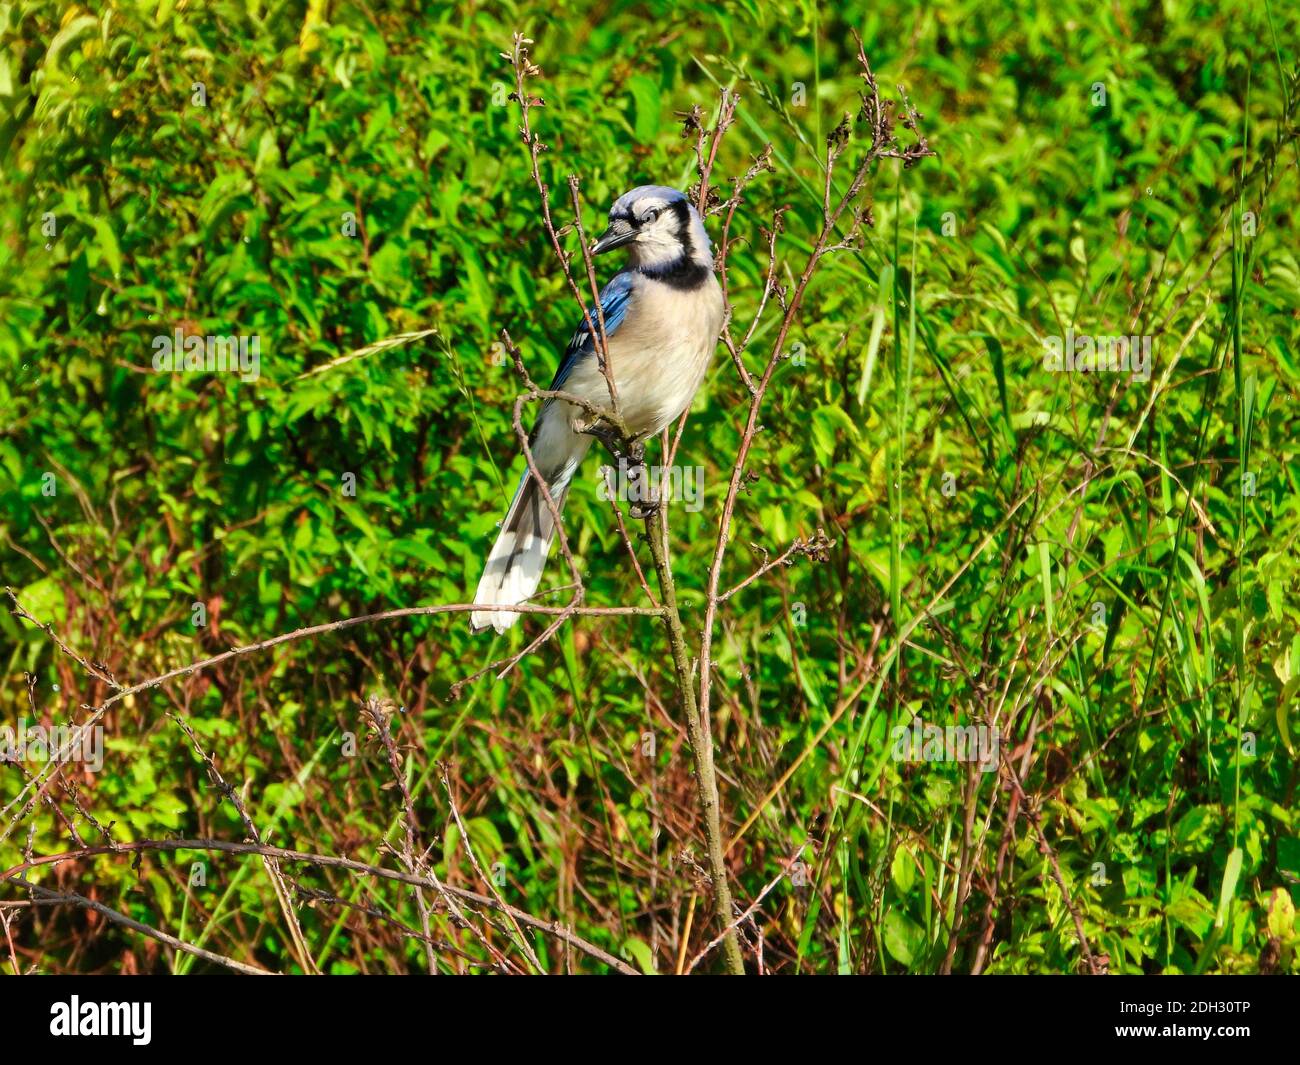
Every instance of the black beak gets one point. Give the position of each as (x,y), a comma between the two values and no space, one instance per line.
(620,232)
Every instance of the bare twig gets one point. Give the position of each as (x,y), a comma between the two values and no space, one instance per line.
(553,928)
(380,717)
(72,898)
(488,882)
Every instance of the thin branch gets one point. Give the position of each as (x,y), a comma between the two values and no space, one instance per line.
(553,928)
(73,899)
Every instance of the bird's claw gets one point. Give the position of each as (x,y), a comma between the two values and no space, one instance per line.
(602,432)
(630,456)
(633,454)
(640,508)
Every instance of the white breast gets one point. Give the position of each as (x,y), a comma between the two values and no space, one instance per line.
(659,353)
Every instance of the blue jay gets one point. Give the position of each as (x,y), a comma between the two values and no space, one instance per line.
(663,314)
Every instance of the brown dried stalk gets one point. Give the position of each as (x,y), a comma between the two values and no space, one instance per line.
(325,861)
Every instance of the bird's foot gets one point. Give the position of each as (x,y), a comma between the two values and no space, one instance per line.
(645,501)
(603,432)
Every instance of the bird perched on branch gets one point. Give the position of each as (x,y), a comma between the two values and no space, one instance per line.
(663,313)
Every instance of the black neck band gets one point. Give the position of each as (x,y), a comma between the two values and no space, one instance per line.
(684,272)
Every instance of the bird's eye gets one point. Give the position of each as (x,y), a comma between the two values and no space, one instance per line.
(651,215)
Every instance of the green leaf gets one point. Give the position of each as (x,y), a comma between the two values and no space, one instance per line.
(638,951)
(1281,915)
(1286,700)
(108,246)
(904,938)
(884,291)
(1231,872)
(903,870)
(75,29)
(646,97)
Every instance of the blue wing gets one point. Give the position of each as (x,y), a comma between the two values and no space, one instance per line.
(614,300)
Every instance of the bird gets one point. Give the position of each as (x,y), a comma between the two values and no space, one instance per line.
(663,315)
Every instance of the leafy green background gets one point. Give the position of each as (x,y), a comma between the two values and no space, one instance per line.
(1162,766)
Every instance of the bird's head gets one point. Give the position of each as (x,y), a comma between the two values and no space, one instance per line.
(658,226)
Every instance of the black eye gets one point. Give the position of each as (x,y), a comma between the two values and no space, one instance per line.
(651,215)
